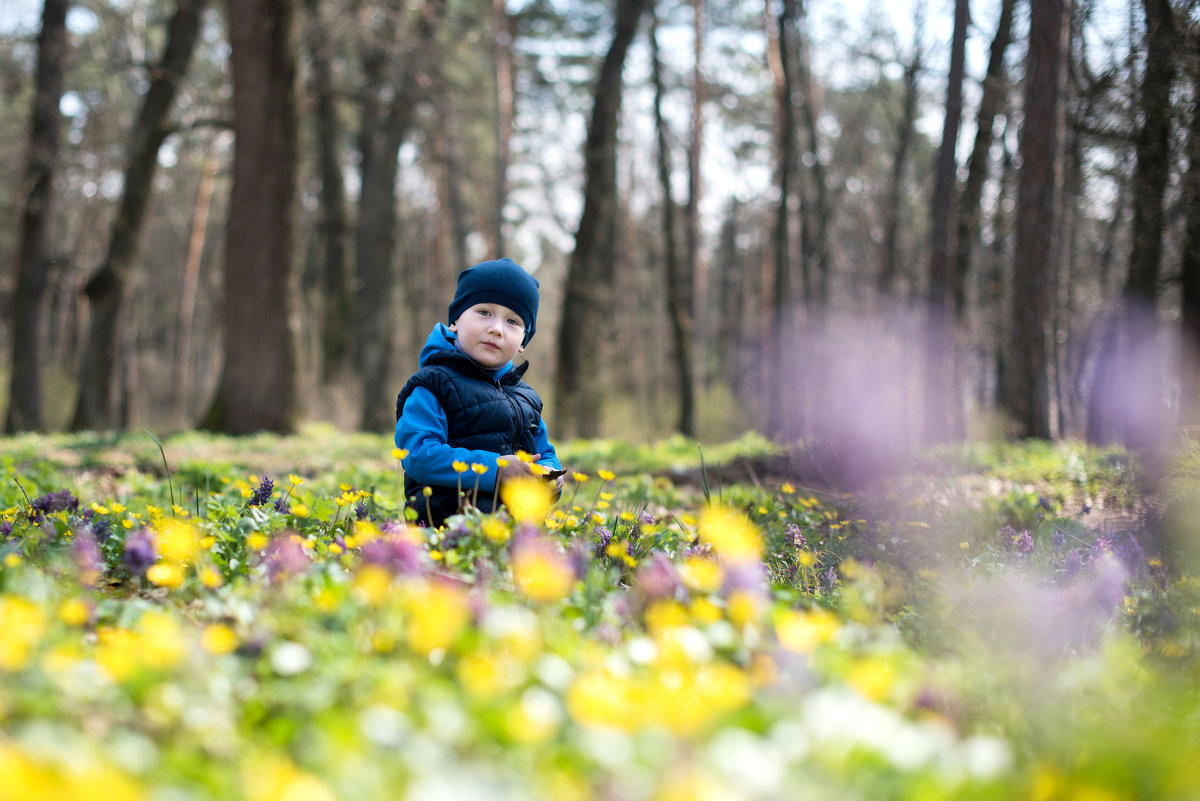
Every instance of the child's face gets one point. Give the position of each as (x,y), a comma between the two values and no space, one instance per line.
(490,334)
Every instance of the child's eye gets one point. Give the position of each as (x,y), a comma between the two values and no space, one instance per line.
(485,313)
(516,322)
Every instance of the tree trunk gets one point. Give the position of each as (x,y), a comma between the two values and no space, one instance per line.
(942,411)
(257,390)
(1038,193)
(181,360)
(1189,372)
(1128,403)
(780,323)
(695,273)
(502,58)
(383,129)
(97,404)
(333,226)
(587,295)
(890,255)
(33,237)
(814,204)
(678,302)
(995,91)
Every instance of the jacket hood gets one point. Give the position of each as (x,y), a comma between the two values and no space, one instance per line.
(442,340)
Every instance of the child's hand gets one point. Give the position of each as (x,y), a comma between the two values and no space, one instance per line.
(510,467)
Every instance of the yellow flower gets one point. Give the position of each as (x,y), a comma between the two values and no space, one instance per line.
(177,541)
(21,627)
(479,469)
(494,529)
(524,456)
(211,577)
(160,642)
(439,612)
(459,467)
(12,560)
(787,489)
(872,678)
(300,510)
(541,572)
(527,499)
(730,533)
(217,638)
(399,454)
(371,584)
(165,574)
(256,541)
(606,475)
(579,478)
(74,612)
(803,631)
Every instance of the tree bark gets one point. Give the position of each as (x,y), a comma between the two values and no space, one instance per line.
(33,236)
(814,206)
(890,255)
(181,360)
(942,412)
(98,402)
(587,296)
(1189,380)
(502,59)
(393,85)
(992,101)
(257,389)
(677,296)
(333,216)
(1038,193)
(1127,402)
(780,323)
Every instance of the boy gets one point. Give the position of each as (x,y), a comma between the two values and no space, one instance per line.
(467,403)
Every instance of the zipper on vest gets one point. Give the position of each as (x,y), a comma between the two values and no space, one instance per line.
(516,408)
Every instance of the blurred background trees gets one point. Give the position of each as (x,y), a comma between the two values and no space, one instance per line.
(743,215)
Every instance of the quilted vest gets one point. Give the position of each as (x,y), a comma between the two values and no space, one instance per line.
(482,413)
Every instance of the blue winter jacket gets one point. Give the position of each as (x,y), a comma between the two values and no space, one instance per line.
(454,410)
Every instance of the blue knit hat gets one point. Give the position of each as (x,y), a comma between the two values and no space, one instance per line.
(501,281)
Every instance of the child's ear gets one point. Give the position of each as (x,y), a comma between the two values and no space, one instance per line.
(453,326)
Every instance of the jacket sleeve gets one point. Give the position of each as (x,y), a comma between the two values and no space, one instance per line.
(423,432)
(541,439)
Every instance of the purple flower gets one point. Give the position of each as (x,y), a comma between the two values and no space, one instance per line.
(285,556)
(5,530)
(263,493)
(397,555)
(795,536)
(1023,543)
(101,528)
(61,501)
(603,539)
(361,511)
(140,551)
(657,578)
(86,557)
(281,505)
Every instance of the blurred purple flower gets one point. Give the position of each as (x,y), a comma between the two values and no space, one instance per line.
(263,493)
(1023,542)
(603,539)
(86,556)
(795,536)
(285,557)
(361,511)
(140,551)
(397,555)
(657,577)
(5,530)
(281,505)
